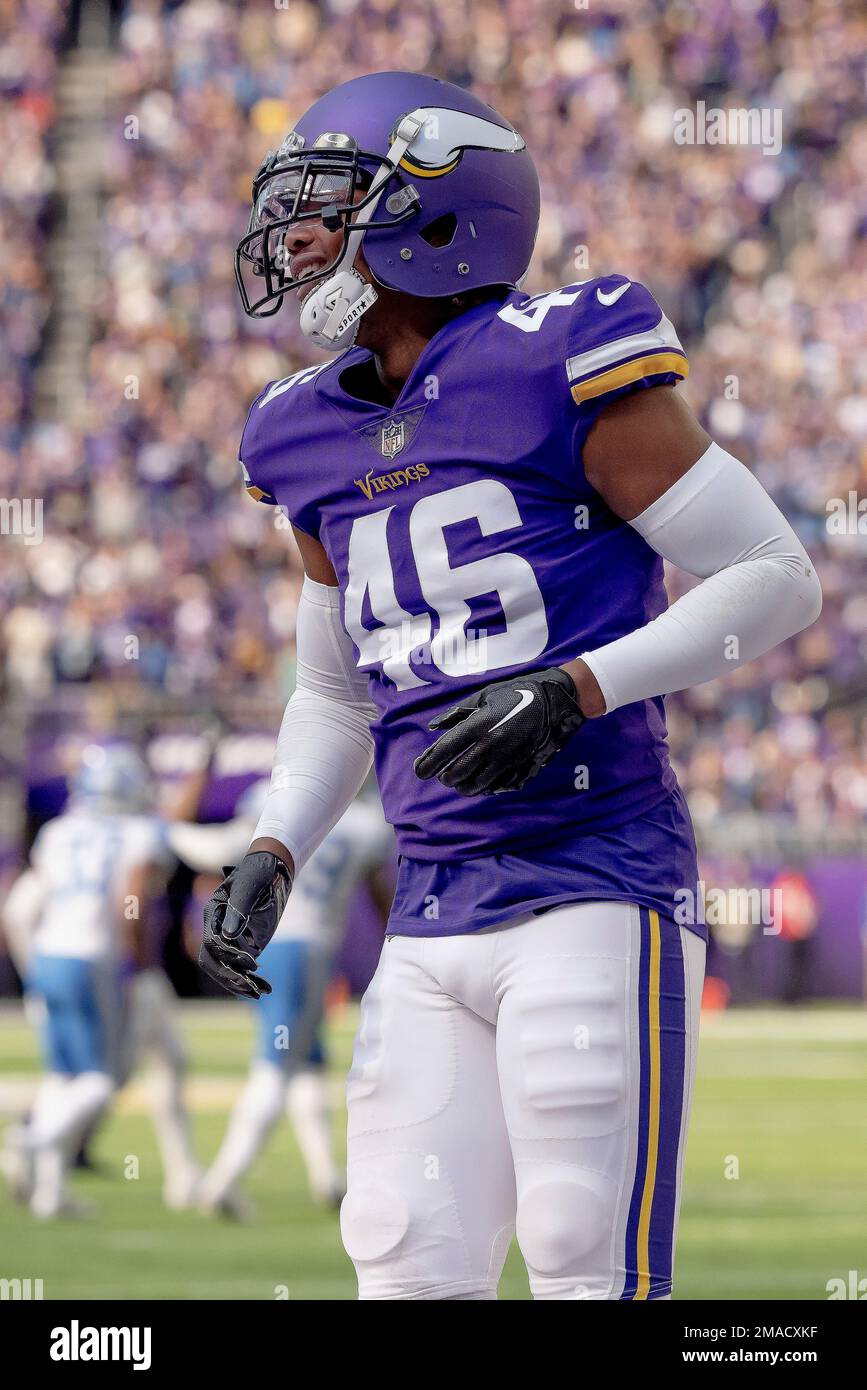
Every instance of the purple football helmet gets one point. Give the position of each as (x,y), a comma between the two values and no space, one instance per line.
(438,185)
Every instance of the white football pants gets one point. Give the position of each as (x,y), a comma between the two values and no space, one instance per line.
(536,1077)
(153,1034)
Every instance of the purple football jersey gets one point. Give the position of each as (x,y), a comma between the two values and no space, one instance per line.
(469,546)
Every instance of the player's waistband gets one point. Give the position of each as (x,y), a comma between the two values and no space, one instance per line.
(650,860)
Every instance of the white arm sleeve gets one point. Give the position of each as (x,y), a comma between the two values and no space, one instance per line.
(325,746)
(208,848)
(21,912)
(759,586)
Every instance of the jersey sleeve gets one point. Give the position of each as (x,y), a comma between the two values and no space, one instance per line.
(146,841)
(24,901)
(22,910)
(620,341)
(279,450)
(248,454)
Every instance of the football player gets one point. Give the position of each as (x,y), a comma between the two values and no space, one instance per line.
(483,487)
(288,1068)
(78,914)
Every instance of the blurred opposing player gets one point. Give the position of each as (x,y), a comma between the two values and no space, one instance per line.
(483,486)
(289,1067)
(78,917)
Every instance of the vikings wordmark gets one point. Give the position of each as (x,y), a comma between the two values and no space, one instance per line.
(383,482)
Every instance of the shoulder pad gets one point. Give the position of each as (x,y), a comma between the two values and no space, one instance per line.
(618,339)
(258,437)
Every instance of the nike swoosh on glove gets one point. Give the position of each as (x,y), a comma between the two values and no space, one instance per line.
(241,916)
(497,740)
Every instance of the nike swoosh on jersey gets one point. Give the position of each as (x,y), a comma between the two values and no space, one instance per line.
(613,295)
(527,697)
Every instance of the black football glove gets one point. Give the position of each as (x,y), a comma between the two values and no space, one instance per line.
(241,916)
(500,738)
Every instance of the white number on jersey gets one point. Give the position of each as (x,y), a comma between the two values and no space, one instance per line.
(286,384)
(530,316)
(446,589)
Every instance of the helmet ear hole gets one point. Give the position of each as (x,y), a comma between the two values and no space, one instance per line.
(440,232)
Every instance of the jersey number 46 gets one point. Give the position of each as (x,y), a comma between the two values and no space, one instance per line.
(399,635)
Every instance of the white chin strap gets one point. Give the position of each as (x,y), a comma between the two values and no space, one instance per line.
(331,312)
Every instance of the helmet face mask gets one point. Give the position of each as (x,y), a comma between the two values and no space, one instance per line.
(289,192)
(392,154)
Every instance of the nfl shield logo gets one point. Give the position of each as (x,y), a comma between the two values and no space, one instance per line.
(392,439)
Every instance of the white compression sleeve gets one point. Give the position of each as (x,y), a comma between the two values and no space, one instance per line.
(759,586)
(206,848)
(325,746)
(21,912)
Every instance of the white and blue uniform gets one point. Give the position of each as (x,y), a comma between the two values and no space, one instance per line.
(297,961)
(67,913)
(287,1068)
(82,860)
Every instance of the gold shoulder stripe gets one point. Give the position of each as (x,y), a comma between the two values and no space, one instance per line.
(257,494)
(653,365)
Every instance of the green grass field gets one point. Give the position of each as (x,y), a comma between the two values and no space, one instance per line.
(782,1094)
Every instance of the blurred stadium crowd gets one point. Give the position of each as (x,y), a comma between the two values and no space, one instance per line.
(29,36)
(760,261)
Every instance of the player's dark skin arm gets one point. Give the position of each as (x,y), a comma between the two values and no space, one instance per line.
(143,886)
(184,802)
(380,885)
(636,451)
